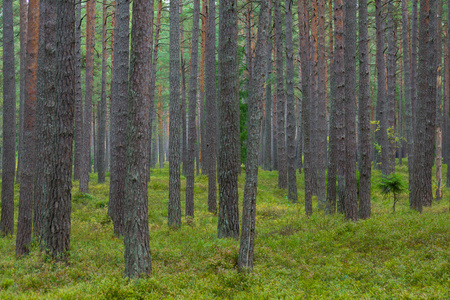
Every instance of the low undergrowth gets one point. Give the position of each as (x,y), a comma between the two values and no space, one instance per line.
(389,256)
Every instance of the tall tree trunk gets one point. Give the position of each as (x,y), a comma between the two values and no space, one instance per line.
(439,119)
(351,199)
(291,122)
(211,104)
(102,105)
(391,86)
(9,122)
(414,40)
(364,164)
(281,100)
(228,223)
(136,237)
(24,223)
(58,206)
(78,101)
(425,116)
(119,91)
(160,132)
(87,122)
(183,95)
(245,259)
(303,16)
(23,58)
(190,176)
(268,104)
(45,110)
(174,215)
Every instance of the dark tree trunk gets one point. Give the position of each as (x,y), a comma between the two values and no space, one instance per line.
(391,86)
(102,105)
(365,142)
(57,208)
(87,122)
(78,101)
(136,237)
(211,104)
(160,132)
(45,110)
(228,223)
(305,61)
(426,109)
(281,99)
(23,58)
(119,92)
(9,122)
(255,102)
(190,175)
(291,122)
(351,198)
(174,215)
(268,113)
(413,99)
(407,78)
(24,223)
(183,96)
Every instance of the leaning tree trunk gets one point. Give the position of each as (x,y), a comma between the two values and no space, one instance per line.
(24,222)
(228,223)
(9,122)
(255,102)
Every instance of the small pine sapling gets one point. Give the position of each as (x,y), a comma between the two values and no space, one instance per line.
(392,184)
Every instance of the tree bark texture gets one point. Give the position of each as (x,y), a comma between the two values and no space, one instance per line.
(256,96)
(136,237)
(101,139)
(119,94)
(174,215)
(391,68)
(268,105)
(228,223)
(24,223)
(413,98)
(9,122)
(78,100)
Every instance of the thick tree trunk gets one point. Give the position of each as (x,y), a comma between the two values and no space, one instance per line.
(291,122)
(190,176)
(24,223)
(245,259)
(87,122)
(228,223)
(119,91)
(211,105)
(136,237)
(365,143)
(56,221)
(174,215)
(9,122)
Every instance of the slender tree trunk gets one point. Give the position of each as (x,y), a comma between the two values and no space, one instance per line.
(23,58)
(24,223)
(9,122)
(211,104)
(183,96)
(160,132)
(281,100)
(413,99)
(190,176)
(290,98)
(228,223)
(78,102)
(119,91)
(58,207)
(87,122)
(268,104)
(439,119)
(245,259)
(305,56)
(136,237)
(391,86)
(351,199)
(102,106)
(174,215)
(364,164)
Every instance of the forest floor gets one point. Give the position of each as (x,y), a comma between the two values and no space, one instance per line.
(405,255)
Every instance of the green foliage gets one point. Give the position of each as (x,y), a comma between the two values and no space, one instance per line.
(392,185)
(321,257)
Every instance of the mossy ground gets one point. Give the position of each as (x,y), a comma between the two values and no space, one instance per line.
(405,255)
